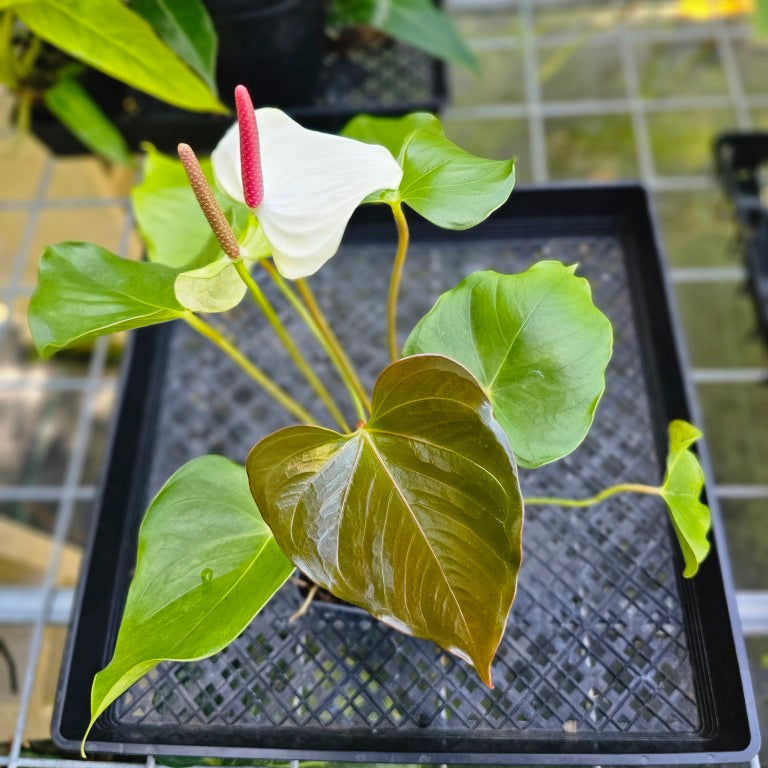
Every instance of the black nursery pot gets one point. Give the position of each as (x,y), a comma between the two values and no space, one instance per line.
(610,656)
(273,46)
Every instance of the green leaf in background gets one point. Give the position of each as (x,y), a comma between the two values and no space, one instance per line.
(84,291)
(443,183)
(391,132)
(416,22)
(173,227)
(206,565)
(536,343)
(681,490)
(75,109)
(215,287)
(187,28)
(416,516)
(109,36)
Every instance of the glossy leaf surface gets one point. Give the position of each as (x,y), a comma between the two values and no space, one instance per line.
(681,489)
(537,344)
(416,22)
(110,37)
(415,517)
(75,109)
(442,182)
(84,291)
(187,28)
(206,565)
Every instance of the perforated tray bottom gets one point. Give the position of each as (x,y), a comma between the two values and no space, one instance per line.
(596,640)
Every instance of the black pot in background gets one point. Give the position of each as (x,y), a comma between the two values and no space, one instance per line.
(275,47)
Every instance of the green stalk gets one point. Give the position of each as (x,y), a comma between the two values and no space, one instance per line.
(602,496)
(333,347)
(397,273)
(29,58)
(261,378)
(319,332)
(299,359)
(7,58)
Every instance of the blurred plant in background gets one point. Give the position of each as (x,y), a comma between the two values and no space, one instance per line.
(165,49)
(56,53)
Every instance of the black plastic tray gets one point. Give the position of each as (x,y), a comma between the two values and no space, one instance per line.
(738,156)
(382,78)
(609,657)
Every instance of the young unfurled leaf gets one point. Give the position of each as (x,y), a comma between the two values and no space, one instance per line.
(206,565)
(187,28)
(416,22)
(109,36)
(443,183)
(681,490)
(216,287)
(75,109)
(84,291)
(537,344)
(416,516)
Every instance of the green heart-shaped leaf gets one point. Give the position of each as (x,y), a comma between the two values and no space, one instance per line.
(391,132)
(681,490)
(442,182)
(537,344)
(84,291)
(206,565)
(416,516)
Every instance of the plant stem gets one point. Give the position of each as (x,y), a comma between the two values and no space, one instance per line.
(320,332)
(7,54)
(304,607)
(602,496)
(299,359)
(334,348)
(29,58)
(261,378)
(397,273)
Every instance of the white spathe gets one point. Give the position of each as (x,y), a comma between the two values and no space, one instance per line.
(312,184)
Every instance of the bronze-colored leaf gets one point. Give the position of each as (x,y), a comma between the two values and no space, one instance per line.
(416,516)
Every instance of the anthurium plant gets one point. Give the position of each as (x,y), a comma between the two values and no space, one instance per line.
(410,508)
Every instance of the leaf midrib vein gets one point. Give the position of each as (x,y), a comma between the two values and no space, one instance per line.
(380,459)
(429,443)
(511,346)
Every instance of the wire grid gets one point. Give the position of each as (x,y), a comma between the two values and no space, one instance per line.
(604,648)
(534,110)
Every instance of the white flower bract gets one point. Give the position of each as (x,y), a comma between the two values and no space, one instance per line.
(312,184)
